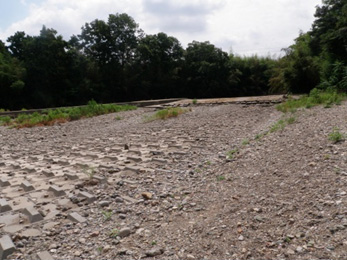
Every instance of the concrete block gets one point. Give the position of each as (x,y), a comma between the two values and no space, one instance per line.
(4,206)
(4,182)
(48,174)
(75,217)
(159,161)
(45,255)
(27,186)
(134,169)
(32,214)
(6,247)
(134,159)
(100,179)
(89,197)
(71,176)
(56,190)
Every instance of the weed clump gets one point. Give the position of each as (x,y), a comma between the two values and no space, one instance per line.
(315,98)
(336,136)
(167,113)
(61,115)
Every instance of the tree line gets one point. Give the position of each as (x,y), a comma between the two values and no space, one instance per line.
(114,61)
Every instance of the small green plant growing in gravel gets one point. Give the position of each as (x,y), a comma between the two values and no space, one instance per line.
(208,163)
(278,126)
(245,142)
(154,242)
(231,153)
(287,239)
(194,101)
(336,136)
(291,120)
(118,118)
(100,249)
(107,215)
(220,178)
(258,136)
(113,233)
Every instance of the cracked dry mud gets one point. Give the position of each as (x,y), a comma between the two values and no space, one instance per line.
(73,191)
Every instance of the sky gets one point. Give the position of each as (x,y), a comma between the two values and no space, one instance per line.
(243,27)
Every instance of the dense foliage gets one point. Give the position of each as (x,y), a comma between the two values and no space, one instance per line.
(114,60)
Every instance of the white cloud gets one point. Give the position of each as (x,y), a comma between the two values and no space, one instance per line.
(246,26)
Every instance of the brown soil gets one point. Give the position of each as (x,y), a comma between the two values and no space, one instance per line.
(281,196)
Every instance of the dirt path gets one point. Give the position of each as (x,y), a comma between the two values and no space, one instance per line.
(174,194)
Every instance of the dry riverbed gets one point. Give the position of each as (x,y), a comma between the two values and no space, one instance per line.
(205,185)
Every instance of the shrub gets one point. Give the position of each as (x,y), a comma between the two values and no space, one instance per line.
(336,136)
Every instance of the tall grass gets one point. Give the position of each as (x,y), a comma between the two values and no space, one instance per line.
(50,117)
(316,97)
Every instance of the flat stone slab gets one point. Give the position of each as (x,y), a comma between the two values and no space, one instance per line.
(6,247)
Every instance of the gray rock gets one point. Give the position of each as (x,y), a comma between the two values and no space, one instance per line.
(104,203)
(154,252)
(124,232)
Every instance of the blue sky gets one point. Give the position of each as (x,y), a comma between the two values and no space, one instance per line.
(14,10)
(243,26)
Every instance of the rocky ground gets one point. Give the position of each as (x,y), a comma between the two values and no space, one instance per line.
(118,187)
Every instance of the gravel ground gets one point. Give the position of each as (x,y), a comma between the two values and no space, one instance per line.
(173,193)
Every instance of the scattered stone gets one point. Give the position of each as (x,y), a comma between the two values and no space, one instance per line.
(124,232)
(95,234)
(104,203)
(146,195)
(154,252)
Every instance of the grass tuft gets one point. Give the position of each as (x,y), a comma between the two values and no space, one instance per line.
(336,136)
(167,113)
(61,115)
(315,98)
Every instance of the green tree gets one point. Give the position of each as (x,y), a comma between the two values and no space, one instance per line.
(253,74)
(112,46)
(12,75)
(329,42)
(207,70)
(298,71)
(159,59)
